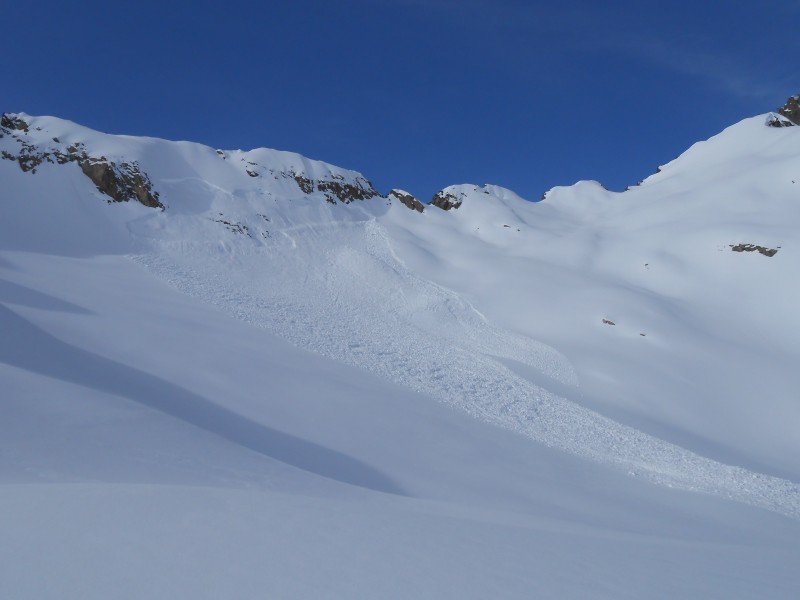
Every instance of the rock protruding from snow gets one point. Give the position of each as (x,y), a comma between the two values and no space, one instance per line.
(121,182)
(753,248)
(336,188)
(406,199)
(12,121)
(480,204)
(447,199)
(776,120)
(791,110)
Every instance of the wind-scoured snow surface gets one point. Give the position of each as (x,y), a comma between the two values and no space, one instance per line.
(281,386)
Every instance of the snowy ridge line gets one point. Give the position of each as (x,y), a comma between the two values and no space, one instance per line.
(357,303)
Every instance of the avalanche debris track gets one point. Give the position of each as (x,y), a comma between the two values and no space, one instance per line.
(338,289)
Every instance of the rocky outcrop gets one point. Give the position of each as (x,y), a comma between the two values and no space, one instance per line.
(406,199)
(446,200)
(776,120)
(121,181)
(753,248)
(12,122)
(791,110)
(345,192)
(337,188)
(305,184)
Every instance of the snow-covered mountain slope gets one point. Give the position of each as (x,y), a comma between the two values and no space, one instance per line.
(243,380)
(705,336)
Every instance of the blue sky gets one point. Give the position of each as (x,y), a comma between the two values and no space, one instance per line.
(417,94)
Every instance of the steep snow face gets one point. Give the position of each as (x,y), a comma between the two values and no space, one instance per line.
(593,343)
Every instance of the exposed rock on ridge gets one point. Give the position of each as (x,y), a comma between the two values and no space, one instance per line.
(407,200)
(121,182)
(336,188)
(791,110)
(13,122)
(446,200)
(776,120)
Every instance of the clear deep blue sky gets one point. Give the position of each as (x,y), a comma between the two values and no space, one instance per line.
(413,93)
